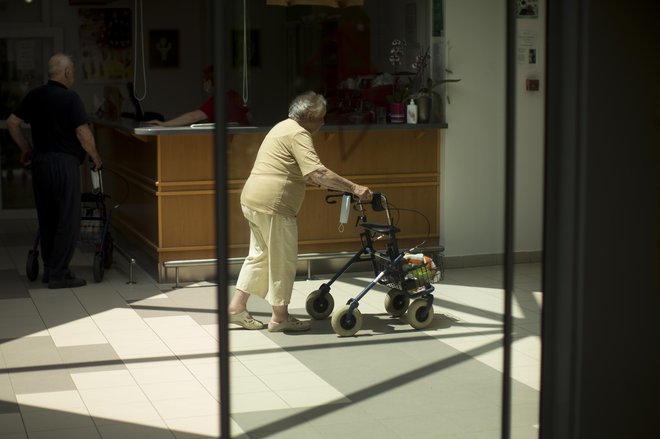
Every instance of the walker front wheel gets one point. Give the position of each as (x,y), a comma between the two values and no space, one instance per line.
(345,326)
(319,306)
(420,314)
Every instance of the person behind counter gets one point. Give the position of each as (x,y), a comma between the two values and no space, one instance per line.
(270,200)
(62,138)
(236,112)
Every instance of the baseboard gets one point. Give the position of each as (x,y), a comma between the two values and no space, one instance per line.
(491,259)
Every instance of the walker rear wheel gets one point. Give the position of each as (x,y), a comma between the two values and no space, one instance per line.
(319,306)
(345,326)
(420,314)
(396,303)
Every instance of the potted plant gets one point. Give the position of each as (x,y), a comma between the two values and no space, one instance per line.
(425,87)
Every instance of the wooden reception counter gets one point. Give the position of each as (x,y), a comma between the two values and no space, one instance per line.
(164,182)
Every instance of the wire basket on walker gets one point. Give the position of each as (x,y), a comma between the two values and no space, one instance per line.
(409,276)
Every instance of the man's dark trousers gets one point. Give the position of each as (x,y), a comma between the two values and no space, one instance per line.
(56,183)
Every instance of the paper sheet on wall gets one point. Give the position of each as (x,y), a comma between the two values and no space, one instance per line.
(527,43)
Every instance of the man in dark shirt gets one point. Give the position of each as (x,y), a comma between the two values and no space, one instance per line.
(61,139)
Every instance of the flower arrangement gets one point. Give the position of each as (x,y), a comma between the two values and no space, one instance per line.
(396,53)
(400,91)
(417,83)
(413,84)
(427,86)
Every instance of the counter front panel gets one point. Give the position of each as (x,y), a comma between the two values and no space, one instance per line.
(165,184)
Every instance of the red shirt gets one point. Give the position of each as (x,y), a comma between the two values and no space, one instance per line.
(236,112)
(208,109)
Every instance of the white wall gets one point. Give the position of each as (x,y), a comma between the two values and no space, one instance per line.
(530,113)
(473,162)
(472,180)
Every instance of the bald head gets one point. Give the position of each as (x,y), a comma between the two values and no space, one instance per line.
(60,69)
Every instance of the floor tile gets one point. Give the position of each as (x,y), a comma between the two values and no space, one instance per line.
(11,423)
(174,390)
(103,379)
(13,287)
(90,358)
(30,352)
(256,402)
(104,396)
(68,401)
(37,381)
(198,405)
(142,413)
(45,420)
(195,426)
(67,433)
(165,373)
(127,431)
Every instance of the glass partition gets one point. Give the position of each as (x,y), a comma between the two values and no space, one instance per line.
(389,379)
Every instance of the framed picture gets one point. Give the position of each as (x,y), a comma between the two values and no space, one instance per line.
(163,49)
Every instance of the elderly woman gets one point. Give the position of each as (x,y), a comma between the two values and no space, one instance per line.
(270,200)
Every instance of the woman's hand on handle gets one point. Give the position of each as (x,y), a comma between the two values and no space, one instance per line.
(363,193)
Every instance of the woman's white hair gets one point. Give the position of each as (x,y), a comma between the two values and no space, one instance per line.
(307,106)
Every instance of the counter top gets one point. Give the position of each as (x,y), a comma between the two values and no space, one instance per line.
(134,127)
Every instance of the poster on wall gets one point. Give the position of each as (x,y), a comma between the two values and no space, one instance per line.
(106,44)
(527,9)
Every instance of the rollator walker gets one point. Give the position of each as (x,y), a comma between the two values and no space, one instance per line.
(94,230)
(408,276)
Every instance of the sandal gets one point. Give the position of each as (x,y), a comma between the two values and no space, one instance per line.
(291,324)
(245,320)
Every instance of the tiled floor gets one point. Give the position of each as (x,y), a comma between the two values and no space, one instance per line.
(118,360)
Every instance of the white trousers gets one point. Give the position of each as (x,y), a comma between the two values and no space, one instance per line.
(270,267)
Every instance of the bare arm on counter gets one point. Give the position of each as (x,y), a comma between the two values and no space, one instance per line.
(331,180)
(182,120)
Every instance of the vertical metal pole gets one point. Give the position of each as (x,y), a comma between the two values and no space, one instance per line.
(509,212)
(220,50)
(130,271)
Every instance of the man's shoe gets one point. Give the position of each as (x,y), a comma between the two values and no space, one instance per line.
(291,324)
(67,282)
(46,278)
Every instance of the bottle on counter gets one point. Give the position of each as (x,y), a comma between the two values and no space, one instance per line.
(411,114)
